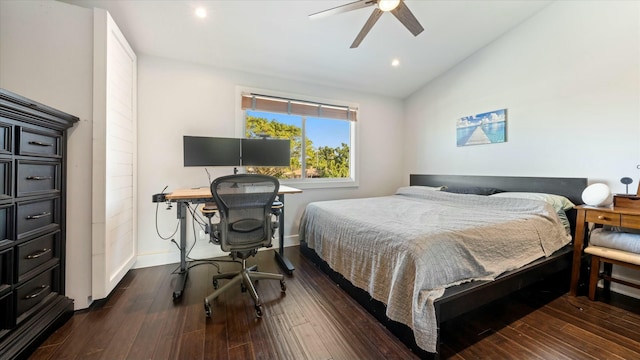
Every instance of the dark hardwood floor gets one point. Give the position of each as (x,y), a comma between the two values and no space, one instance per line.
(317,320)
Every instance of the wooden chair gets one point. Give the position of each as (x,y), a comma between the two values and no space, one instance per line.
(609,257)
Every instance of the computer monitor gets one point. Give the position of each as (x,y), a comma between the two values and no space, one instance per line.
(266,152)
(211,151)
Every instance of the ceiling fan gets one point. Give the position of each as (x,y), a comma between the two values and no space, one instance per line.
(396,7)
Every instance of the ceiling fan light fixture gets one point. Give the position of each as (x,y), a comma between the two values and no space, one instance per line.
(388,5)
(397,8)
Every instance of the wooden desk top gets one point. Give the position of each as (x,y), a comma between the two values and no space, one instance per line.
(609,209)
(205,193)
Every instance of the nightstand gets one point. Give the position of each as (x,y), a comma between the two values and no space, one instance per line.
(629,218)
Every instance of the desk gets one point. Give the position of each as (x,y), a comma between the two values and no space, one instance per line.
(629,218)
(203,195)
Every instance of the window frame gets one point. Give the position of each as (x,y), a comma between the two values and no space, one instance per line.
(306,183)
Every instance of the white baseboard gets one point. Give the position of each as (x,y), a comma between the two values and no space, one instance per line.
(149,260)
(622,289)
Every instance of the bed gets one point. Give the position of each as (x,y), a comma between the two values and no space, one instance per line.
(422,254)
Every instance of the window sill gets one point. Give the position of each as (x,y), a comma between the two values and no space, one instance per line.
(320,183)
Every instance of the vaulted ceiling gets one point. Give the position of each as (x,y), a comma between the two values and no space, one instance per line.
(276,37)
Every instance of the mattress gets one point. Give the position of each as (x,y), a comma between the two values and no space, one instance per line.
(407,248)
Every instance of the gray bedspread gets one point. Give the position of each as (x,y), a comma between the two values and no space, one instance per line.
(405,249)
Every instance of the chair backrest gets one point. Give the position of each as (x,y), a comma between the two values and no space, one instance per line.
(244,202)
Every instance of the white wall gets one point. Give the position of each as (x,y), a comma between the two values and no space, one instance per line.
(569,77)
(570,80)
(176,99)
(46,54)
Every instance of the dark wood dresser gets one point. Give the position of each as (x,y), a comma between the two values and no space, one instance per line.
(32,223)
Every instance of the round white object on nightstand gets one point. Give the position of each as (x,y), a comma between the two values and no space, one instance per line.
(597,195)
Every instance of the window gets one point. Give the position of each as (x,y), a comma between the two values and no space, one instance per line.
(327,132)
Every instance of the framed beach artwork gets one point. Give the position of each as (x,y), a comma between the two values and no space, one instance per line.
(485,128)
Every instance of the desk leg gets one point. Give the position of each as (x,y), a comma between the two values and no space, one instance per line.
(285,264)
(184,272)
(578,244)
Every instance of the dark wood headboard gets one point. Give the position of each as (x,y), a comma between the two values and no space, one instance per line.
(571,188)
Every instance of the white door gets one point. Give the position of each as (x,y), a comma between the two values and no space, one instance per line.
(114,243)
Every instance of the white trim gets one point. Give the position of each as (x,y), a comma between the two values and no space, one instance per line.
(307,183)
(320,183)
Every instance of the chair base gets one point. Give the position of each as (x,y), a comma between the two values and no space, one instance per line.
(246,277)
(229,276)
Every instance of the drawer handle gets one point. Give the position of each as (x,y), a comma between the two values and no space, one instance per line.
(38,216)
(39,177)
(39,292)
(36,255)
(602,217)
(39,143)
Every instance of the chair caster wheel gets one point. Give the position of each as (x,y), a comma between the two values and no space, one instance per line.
(243,288)
(207,309)
(215,284)
(283,286)
(258,311)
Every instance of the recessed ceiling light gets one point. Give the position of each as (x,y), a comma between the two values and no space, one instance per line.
(395,62)
(201,12)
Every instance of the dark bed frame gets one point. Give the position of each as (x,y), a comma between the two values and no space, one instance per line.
(460,299)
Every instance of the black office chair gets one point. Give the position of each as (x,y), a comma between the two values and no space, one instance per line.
(247,208)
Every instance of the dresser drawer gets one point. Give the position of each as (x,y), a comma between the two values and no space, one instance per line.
(36,252)
(631,221)
(6,223)
(35,217)
(6,269)
(6,178)
(34,291)
(6,138)
(39,143)
(603,217)
(37,177)
(7,320)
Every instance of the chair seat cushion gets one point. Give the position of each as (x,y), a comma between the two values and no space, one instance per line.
(614,254)
(615,240)
(246,225)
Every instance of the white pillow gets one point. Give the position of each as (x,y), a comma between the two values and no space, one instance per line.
(417,189)
(558,202)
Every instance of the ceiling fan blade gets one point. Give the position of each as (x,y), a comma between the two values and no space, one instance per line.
(407,19)
(375,15)
(343,8)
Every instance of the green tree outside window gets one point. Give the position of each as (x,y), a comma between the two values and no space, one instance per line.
(320,162)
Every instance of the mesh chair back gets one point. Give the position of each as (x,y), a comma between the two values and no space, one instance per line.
(244,202)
